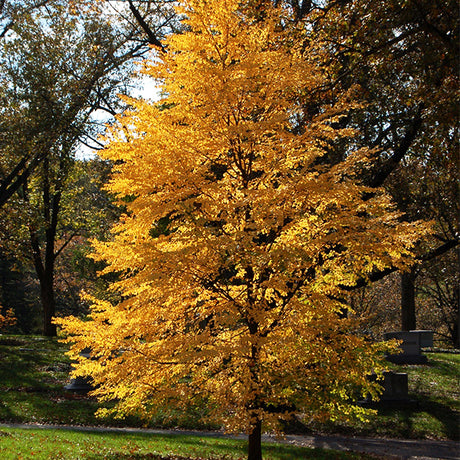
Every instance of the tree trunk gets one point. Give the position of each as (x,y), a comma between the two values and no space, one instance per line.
(48,303)
(456,331)
(44,268)
(255,442)
(44,259)
(456,328)
(408,319)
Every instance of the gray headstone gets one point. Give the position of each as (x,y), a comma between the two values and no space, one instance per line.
(81,385)
(395,388)
(426,338)
(410,346)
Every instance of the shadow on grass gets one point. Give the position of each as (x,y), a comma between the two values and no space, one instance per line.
(421,419)
(216,448)
(122,456)
(313,454)
(20,372)
(406,421)
(447,417)
(443,368)
(25,364)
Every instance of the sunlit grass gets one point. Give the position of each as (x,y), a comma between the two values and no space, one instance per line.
(47,444)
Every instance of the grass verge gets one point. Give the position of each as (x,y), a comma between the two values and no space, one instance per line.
(68,445)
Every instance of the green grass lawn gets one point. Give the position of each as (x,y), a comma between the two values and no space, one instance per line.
(67,445)
(432,413)
(34,370)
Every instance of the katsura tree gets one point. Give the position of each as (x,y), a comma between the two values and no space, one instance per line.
(242,235)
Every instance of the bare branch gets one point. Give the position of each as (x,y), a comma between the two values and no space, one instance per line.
(388,167)
(151,35)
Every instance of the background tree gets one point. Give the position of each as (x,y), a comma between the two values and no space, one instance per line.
(241,234)
(88,212)
(54,67)
(439,286)
(132,29)
(85,212)
(404,57)
(61,62)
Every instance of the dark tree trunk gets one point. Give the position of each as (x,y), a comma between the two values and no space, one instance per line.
(45,274)
(456,328)
(44,259)
(255,442)
(408,319)
(48,303)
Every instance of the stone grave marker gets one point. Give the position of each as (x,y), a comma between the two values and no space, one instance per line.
(412,342)
(395,388)
(81,385)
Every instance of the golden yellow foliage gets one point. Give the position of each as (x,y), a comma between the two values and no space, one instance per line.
(241,235)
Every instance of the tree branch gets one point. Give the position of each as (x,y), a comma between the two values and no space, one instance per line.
(13,182)
(439,250)
(56,254)
(377,276)
(151,35)
(388,167)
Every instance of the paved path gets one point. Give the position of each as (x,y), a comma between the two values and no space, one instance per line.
(387,448)
(391,449)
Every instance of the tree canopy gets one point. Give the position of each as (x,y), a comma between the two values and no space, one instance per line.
(244,230)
